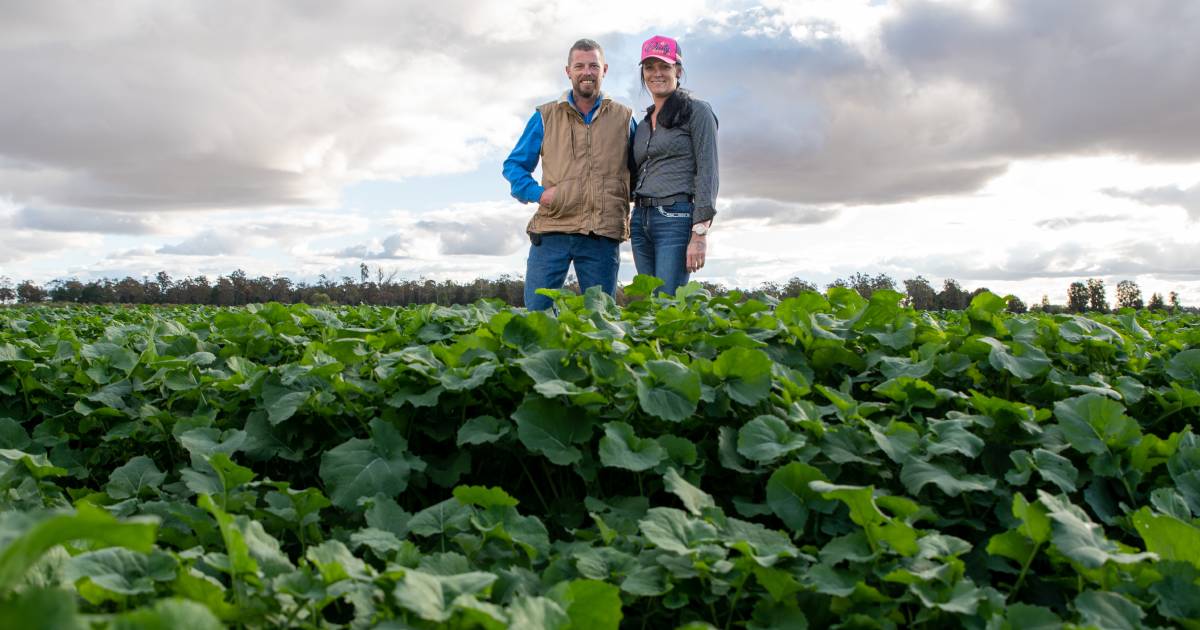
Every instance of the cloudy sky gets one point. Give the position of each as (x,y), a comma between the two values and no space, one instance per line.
(1013,144)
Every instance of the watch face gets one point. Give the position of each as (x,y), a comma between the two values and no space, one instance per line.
(700,229)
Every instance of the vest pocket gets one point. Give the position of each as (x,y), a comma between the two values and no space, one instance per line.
(566,196)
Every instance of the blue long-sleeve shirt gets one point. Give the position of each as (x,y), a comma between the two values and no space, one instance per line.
(518,167)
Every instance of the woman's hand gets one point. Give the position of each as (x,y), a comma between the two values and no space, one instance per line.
(696,250)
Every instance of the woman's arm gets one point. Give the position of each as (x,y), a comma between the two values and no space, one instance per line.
(703,128)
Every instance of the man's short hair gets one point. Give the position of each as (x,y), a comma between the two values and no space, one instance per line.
(585,45)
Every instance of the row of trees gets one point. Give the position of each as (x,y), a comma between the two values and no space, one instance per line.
(384,289)
(1090,296)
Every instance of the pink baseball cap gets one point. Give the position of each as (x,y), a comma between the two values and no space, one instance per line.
(662,47)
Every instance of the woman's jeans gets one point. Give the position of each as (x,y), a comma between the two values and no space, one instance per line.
(659,236)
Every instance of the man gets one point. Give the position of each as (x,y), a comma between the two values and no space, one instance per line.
(583,200)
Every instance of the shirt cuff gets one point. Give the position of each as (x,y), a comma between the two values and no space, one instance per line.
(700,215)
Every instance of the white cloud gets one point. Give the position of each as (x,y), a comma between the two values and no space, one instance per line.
(1187,198)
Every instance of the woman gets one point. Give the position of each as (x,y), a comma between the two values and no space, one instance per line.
(674,164)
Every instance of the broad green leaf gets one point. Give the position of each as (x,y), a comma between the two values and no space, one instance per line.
(360,468)
(767,438)
(441,518)
(1012,545)
(240,561)
(42,609)
(1081,540)
(484,497)
(671,391)
(282,402)
(642,286)
(1179,590)
(900,440)
(1184,467)
(433,597)
(1052,467)
(747,374)
(133,477)
(1026,617)
(122,571)
(1023,361)
(336,563)
(953,436)
(1095,424)
(647,581)
(766,546)
(537,613)
(1170,502)
(962,598)
(169,614)
(1108,611)
(1168,537)
(553,372)
(916,474)
(385,514)
(779,584)
(592,604)
(38,465)
(694,499)
(788,493)
(603,563)
(263,547)
(1185,368)
(622,448)
(13,435)
(673,530)
(35,535)
(866,513)
(481,430)
(1035,521)
(552,430)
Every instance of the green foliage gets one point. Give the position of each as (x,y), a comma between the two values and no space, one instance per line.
(836,460)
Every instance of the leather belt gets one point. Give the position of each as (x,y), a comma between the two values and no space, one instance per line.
(651,202)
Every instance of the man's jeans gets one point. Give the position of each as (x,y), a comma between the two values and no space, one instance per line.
(659,236)
(597,260)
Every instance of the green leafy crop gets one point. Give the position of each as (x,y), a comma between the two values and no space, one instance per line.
(687,461)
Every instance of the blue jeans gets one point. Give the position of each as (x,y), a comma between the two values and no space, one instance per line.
(597,260)
(659,236)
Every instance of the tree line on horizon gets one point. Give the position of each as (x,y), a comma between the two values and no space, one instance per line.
(383,289)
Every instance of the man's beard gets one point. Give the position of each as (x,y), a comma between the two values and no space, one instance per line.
(586,91)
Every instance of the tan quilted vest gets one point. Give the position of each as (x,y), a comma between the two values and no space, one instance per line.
(589,165)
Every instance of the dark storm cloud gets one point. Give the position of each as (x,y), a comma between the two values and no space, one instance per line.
(953,96)
(1070,76)
(176,106)
(182,106)
(776,212)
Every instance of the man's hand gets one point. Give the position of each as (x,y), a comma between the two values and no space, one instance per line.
(696,249)
(547,197)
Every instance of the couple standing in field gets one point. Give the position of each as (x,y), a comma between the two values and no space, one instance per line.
(596,158)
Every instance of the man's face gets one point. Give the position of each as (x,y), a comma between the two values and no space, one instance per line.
(586,70)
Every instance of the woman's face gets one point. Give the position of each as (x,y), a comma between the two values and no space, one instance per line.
(661,77)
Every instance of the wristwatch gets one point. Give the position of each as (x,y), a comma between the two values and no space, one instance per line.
(700,229)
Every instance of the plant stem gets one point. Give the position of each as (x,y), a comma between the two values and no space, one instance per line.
(1025,569)
(733,603)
